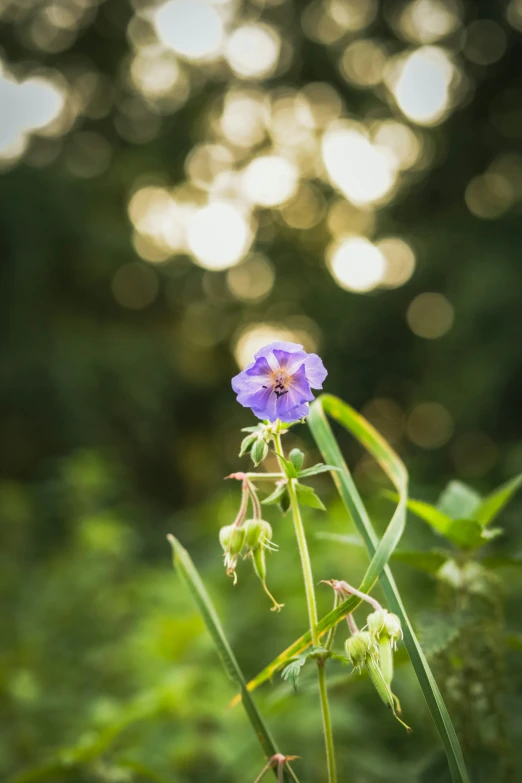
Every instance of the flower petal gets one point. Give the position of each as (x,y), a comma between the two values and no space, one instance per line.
(278,346)
(289,361)
(256,375)
(315,371)
(294,414)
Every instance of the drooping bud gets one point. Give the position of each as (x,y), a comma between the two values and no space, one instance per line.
(258,537)
(257,533)
(232,539)
(359,648)
(385,628)
(362,651)
(384,623)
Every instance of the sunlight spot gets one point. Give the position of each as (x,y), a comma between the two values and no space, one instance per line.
(429,425)
(359,169)
(357,264)
(252,280)
(243,118)
(270,180)
(400,261)
(430,315)
(218,235)
(252,51)
(192,28)
(258,335)
(427,21)
(422,90)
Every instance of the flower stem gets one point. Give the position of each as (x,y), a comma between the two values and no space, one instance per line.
(312,612)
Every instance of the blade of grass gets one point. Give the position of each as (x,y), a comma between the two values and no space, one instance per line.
(190,576)
(394,468)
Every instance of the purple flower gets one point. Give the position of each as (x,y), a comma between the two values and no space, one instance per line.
(278,384)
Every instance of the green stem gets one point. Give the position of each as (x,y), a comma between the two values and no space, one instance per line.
(306,566)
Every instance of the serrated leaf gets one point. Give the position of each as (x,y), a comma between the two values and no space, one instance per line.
(493,504)
(436,631)
(297,459)
(307,497)
(293,670)
(316,469)
(276,496)
(459,501)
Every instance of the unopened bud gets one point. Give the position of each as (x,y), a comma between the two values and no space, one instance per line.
(359,648)
(383,623)
(259,451)
(232,539)
(257,533)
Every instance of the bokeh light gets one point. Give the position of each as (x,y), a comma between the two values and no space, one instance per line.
(427,21)
(255,336)
(252,51)
(26,107)
(358,168)
(135,285)
(357,264)
(363,62)
(430,315)
(486,42)
(218,235)
(429,425)
(192,28)
(252,280)
(421,85)
(400,261)
(270,180)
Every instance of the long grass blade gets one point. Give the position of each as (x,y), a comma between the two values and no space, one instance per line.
(190,576)
(392,465)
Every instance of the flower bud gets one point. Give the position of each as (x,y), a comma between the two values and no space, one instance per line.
(232,539)
(384,623)
(359,648)
(385,628)
(259,451)
(257,533)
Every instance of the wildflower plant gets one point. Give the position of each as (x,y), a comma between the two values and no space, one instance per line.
(278,387)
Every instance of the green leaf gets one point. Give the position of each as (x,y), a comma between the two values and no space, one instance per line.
(316,469)
(276,495)
(502,561)
(288,467)
(493,504)
(459,501)
(293,670)
(297,459)
(251,429)
(307,497)
(465,533)
(427,561)
(190,577)
(284,503)
(437,630)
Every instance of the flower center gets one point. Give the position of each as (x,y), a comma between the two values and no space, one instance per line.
(281,381)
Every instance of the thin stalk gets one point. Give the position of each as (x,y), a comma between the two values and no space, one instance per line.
(306,567)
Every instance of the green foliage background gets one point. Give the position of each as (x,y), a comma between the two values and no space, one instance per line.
(117,426)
